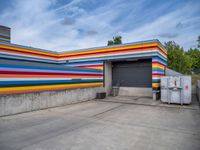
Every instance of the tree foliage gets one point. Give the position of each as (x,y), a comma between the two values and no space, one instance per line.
(116,40)
(110,42)
(178,60)
(194,54)
(198,40)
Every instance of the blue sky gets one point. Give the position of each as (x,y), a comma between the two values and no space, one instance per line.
(73,24)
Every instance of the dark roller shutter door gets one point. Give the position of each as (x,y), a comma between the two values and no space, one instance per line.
(132,73)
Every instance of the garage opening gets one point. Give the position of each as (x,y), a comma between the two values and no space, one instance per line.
(133,77)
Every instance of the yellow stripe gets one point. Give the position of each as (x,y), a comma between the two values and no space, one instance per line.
(162,49)
(155,85)
(82,52)
(47,87)
(27,50)
(99,68)
(158,66)
(115,49)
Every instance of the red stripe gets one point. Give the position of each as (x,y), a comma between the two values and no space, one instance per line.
(88,54)
(1,36)
(29,53)
(158,74)
(114,51)
(90,66)
(48,73)
(158,63)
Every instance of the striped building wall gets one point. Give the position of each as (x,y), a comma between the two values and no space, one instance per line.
(88,64)
(22,76)
(133,50)
(26,69)
(4,34)
(149,49)
(158,70)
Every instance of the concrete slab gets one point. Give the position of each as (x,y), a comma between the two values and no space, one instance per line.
(148,101)
(96,125)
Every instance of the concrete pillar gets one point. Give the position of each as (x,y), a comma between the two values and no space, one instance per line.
(108,76)
(156,95)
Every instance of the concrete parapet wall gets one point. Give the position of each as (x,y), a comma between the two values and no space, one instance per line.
(19,103)
(135,91)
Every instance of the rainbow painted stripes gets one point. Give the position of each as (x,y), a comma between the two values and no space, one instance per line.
(17,76)
(26,69)
(4,34)
(158,70)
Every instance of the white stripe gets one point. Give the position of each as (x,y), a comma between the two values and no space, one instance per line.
(118,54)
(26,55)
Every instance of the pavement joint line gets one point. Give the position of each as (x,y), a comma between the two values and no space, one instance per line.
(74,114)
(129,103)
(82,116)
(111,109)
(57,134)
(44,109)
(97,118)
(155,128)
(64,116)
(91,121)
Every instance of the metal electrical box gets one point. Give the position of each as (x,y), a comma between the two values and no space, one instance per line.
(176,89)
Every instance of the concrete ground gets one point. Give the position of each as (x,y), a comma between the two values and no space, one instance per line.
(98,125)
(147,101)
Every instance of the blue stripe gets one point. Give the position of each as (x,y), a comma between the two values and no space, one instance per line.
(85,63)
(162,72)
(158,69)
(159,60)
(117,57)
(156,80)
(15,83)
(79,50)
(27,58)
(113,46)
(77,70)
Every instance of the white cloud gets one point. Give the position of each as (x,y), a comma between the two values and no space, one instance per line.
(39,24)
(34,24)
(186,35)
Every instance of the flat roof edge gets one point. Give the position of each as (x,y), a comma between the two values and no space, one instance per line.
(84,49)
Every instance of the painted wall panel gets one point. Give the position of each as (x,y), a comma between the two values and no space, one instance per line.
(26,69)
(158,70)
(25,76)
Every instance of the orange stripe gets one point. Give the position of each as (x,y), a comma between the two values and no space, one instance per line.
(54,89)
(86,52)
(25,53)
(13,48)
(113,52)
(145,45)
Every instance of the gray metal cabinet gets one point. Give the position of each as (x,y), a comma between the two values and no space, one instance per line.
(176,89)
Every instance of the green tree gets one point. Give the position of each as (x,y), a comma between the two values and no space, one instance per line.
(198,40)
(110,42)
(195,56)
(177,59)
(116,40)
